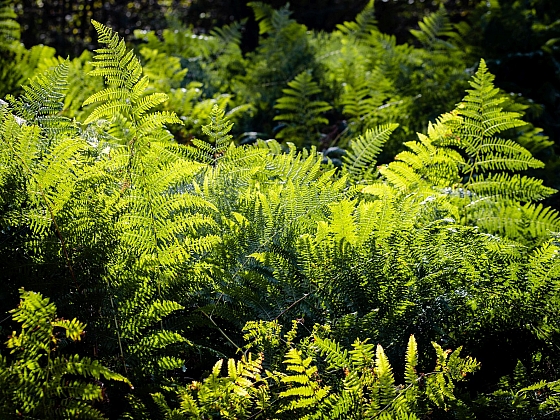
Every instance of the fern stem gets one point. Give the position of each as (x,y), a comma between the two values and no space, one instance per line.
(118,334)
(221,331)
(292,305)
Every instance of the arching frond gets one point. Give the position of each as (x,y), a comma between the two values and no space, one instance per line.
(361,157)
(363,25)
(433,28)
(42,102)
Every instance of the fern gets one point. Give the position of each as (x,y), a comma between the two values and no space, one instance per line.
(301,113)
(364,386)
(45,166)
(171,249)
(364,24)
(42,102)
(41,382)
(304,391)
(238,394)
(156,231)
(263,14)
(123,73)
(485,165)
(9,28)
(367,99)
(219,140)
(432,28)
(361,158)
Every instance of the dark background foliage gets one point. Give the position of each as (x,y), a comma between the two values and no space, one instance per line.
(64,24)
(516,37)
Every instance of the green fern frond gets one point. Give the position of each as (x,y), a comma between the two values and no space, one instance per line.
(263,14)
(432,28)
(464,155)
(410,374)
(502,155)
(361,157)
(363,25)
(50,174)
(299,110)
(9,27)
(124,100)
(134,324)
(511,187)
(384,372)
(228,34)
(336,357)
(119,67)
(41,383)
(305,390)
(42,102)
(402,176)
(363,354)
(543,270)
(449,368)
(212,151)
(482,115)
(516,221)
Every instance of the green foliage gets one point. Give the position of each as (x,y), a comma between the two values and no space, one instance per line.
(433,28)
(492,195)
(40,381)
(103,202)
(9,28)
(17,64)
(302,115)
(364,24)
(361,158)
(219,140)
(361,385)
(138,214)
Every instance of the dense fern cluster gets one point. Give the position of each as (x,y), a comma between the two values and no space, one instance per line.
(168,254)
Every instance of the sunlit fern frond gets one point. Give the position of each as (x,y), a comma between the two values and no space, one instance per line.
(42,102)
(361,157)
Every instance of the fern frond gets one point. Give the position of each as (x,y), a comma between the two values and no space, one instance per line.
(297,108)
(336,357)
(263,14)
(40,382)
(361,157)
(305,389)
(410,373)
(516,221)
(402,176)
(384,372)
(464,154)
(114,63)
(498,154)
(363,25)
(231,33)
(510,187)
(363,354)
(43,100)
(213,150)
(9,27)
(125,102)
(432,28)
